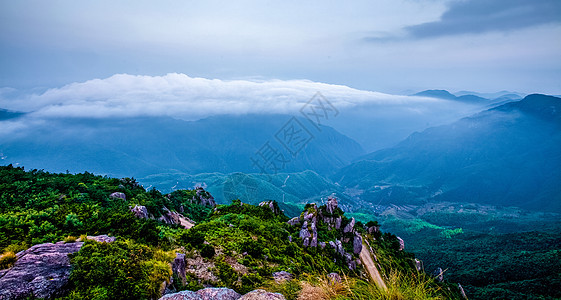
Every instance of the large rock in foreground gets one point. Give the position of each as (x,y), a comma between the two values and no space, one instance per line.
(41,271)
(223,294)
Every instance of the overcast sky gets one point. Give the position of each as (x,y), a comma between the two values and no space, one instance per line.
(388,46)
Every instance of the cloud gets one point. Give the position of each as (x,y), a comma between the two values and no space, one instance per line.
(480,16)
(181,96)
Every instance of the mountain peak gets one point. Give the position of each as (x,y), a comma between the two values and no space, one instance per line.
(544,106)
(441,94)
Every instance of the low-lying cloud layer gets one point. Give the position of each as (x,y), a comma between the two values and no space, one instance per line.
(181,96)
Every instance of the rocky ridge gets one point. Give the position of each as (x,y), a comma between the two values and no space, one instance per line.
(331,215)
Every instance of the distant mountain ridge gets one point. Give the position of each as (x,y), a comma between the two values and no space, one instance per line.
(508,155)
(443,94)
(471,97)
(145,146)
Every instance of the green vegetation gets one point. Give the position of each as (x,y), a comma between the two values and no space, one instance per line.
(119,270)
(237,245)
(494,252)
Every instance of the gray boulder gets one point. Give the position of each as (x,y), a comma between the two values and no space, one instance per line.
(294,221)
(350,226)
(304,233)
(218,294)
(338,223)
(357,244)
(118,195)
(178,267)
(183,295)
(41,271)
(101,238)
(262,295)
(281,276)
(314,241)
(140,211)
(373,229)
(331,205)
(204,294)
(334,278)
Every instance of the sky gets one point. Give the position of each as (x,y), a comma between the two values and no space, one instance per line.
(390,46)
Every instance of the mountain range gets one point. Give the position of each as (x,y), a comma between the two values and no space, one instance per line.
(508,155)
(145,146)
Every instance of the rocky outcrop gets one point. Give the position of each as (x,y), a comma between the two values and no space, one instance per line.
(329,214)
(357,244)
(338,246)
(168,216)
(222,294)
(272,205)
(201,268)
(331,205)
(262,295)
(172,217)
(281,276)
(350,227)
(373,229)
(41,271)
(294,221)
(204,294)
(401,243)
(334,278)
(118,195)
(178,267)
(331,217)
(140,211)
(204,197)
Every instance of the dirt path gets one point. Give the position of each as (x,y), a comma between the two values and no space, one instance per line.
(370,267)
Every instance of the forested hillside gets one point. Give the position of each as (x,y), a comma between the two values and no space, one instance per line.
(239,246)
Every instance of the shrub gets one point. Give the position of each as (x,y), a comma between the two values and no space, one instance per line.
(207,251)
(120,270)
(7,260)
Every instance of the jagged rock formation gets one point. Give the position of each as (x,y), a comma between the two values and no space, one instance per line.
(272,205)
(331,215)
(41,271)
(168,216)
(222,294)
(203,198)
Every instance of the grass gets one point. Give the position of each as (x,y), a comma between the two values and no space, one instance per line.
(400,286)
(7,260)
